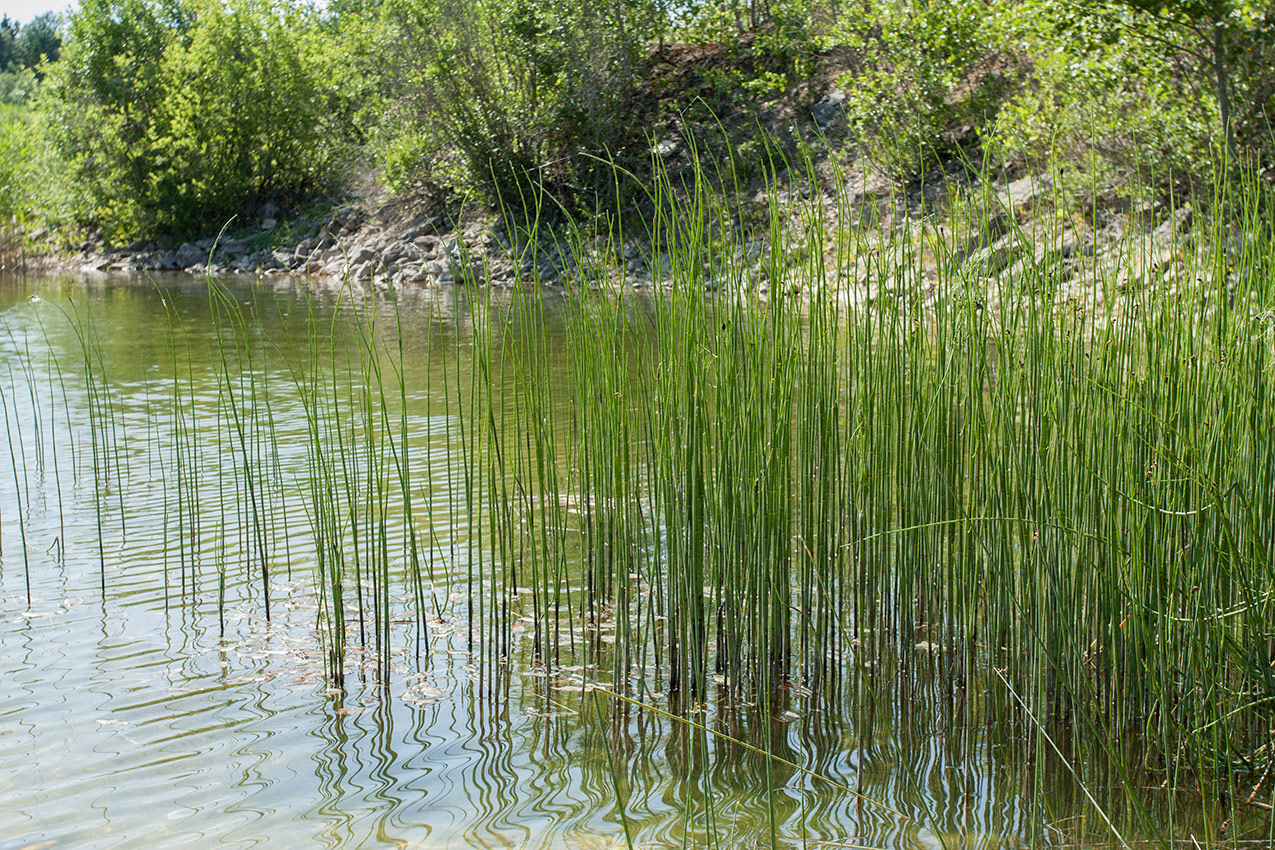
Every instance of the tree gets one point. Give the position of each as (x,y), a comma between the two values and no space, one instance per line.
(176,114)
(520,88)
(1217,27)
(38,41)
(8,44)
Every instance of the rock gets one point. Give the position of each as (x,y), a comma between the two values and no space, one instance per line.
(190,255)
(993,259)
(1174,225)
(665,148)
(417,230)
(991,233)
(412,275)
(168,262)
(830,113)
(394,253)
(429,245)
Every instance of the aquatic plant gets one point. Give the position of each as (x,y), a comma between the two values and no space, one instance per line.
(811,470)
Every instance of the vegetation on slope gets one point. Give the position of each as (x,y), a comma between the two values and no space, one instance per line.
(167,117)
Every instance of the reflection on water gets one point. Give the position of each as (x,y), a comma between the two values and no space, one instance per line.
(155,716)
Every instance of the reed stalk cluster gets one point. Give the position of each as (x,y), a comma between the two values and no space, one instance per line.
(819,471)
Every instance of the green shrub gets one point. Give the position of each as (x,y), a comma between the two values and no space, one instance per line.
(524,91)
(176,114)
(1139,86)
(926,78)
(14,150)
(34,182)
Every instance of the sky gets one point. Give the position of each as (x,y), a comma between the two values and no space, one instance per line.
(23,11)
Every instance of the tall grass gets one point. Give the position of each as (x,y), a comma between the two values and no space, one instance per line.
(816,473)
(1059,498)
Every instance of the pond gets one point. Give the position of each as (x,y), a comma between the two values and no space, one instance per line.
(302,568)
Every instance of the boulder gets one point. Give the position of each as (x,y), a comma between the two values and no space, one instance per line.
(190,255)
(830,113)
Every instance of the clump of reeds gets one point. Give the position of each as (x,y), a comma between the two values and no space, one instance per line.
(824,466)
(1061,498)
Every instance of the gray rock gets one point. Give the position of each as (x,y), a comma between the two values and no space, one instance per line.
(993,259)
(429,245)
(1174,225)
(830,113)
(190,255)
(394,253)
(1024,191)
(418,229)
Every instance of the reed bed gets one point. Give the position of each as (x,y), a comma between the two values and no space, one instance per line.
(775,478)
(1057,500)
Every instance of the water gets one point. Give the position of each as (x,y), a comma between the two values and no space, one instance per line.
(167,710)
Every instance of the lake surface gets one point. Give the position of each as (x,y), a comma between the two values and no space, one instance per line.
(146,699)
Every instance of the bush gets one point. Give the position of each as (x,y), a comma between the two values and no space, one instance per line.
(523,90)
(927,78)
(1136,88)
(177,115)
(33,180)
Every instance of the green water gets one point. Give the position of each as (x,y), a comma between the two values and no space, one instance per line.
(146,700)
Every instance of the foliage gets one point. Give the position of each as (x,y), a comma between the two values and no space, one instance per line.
(523,90)
(1137,81)
(171,116)
(33,181)
(927,73)
(25,47)
(177,114)
(14,149)
(18,87)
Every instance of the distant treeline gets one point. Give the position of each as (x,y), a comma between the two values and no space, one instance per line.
(166,117)
(26,47)
(22,50)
